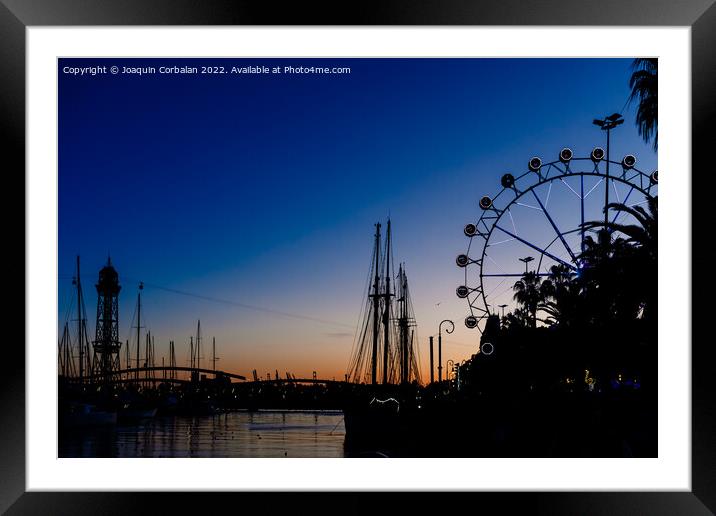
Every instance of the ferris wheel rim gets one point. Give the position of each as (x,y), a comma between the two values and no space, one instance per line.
(646,184)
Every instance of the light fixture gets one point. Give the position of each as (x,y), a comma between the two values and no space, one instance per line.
(535,164)
(565,155)
(628,161)
(471,321)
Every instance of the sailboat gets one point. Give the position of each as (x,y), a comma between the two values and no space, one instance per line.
(384,365)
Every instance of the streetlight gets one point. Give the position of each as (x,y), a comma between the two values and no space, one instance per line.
(526,260)
(440,345)
(607,124)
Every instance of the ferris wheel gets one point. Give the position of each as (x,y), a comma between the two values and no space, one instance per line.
(537,220)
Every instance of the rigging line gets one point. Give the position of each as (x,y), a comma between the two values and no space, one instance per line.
(249,307)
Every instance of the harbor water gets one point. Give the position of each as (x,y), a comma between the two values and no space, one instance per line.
(239,434)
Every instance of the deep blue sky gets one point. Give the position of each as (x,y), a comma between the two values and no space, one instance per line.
(263,189)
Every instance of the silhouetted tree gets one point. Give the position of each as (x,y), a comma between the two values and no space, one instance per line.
(560,296)
(639,259)
(644,89)
(528,294)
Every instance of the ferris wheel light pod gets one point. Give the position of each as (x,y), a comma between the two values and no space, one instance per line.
(535,164)
(471,321)
(597,154)
(470,230)
(487,348)
(508,181)
(628,161)
(654,177)
(462,260)
(565,155)
(462,291)
(485,202)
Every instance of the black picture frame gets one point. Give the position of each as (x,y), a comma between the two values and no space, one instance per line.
(700,15)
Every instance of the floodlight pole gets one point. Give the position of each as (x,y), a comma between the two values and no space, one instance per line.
(607,124)
(503,310)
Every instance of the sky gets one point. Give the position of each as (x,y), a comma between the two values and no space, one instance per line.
(248,201)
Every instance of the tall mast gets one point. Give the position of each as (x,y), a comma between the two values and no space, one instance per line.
(213,352)
(403,325)
(191,350)
(172,359)
(79,321)
(139,320)
(386,313)
(146,359)
(376,307)
(198,345)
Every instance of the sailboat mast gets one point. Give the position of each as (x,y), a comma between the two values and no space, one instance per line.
(376,307)
(386,313)
(139,320)
(79,322)
(403,327)
(198,345)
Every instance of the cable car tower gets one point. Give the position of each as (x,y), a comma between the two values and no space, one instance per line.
(105,362)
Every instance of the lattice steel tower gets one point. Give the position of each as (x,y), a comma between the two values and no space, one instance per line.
(106,345)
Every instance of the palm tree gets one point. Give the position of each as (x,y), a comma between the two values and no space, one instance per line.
(560,296)
(643,235)
(644,89)
(619,274)
(527,294)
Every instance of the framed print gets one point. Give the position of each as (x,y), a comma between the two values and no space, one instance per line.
(422,235)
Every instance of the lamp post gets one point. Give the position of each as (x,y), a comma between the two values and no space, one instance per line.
(503,310)
(440,345)
(526,260)
(607,124)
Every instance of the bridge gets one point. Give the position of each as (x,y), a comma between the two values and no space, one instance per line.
(132,375)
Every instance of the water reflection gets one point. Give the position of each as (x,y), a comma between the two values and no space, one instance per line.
(235,434)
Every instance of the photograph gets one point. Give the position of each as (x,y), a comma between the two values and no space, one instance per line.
(373,257)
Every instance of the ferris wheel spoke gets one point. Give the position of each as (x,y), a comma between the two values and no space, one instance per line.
(528,206)
(616,192)
(554,226)
(593,188)
(536,248)
(626,199)
(572,189)
(503,242)
(514,227)
(549,192)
